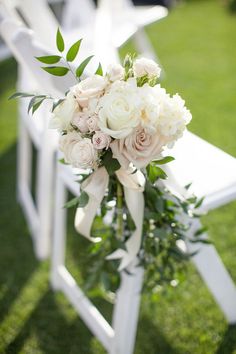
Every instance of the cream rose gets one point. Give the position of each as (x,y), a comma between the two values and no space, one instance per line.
(138,148)
(119,109)
(90,88)
(144,66)
(101,140)
(78,152)
(115,72)
(62,116)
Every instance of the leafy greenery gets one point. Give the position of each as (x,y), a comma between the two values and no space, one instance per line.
(49,59)
(82,66)
(99,70)
(110,163)
(60,41)
(182,319)
(73,51)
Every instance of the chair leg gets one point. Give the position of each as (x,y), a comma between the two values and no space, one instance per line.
(126,311)
(44,196)
(24,160)
(59,230)
(143,44)
(214,274)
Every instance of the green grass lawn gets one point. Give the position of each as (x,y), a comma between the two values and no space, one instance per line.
(196,45)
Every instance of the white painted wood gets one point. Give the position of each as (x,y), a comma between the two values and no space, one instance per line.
(126,310)
(214,274)
(86,310)
(78,13)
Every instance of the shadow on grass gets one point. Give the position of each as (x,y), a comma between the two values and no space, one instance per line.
(16,251)
(151,340)
(228,343)
(54,332)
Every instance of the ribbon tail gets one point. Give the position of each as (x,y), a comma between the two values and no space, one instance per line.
(95,186)
(135,202)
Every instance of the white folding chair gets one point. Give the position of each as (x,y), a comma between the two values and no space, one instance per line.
(34,131)
(127,20)
(213,176)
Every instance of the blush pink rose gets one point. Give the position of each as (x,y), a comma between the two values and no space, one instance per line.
(80,121)
(138,148)
(101,140)
(92,123)
(88,89)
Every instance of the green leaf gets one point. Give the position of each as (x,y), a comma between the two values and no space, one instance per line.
(49,59)
(60,41)
(155,172)
(188,186)
(99,70)
(73,51)
(20,95)
(79,202)
(37,105)
(63,161)
(110,163)
(34,101)
(82,66)
(56,70)
(200,231)
(73,202)
(57,103)
(83,199)
(199,203)
(165,160)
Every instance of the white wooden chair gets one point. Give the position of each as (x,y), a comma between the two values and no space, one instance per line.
(34,132)
(127,20)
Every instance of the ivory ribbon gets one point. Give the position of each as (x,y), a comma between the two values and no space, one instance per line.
(95,186)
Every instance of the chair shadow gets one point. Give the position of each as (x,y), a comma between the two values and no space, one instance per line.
(16,251)
(228,343)
(54,332)
(149,333)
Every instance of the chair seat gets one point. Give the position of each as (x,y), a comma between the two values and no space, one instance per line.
(145,15)
(125,26)
(211,171)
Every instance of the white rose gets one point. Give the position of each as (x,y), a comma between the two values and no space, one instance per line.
(78,151)
(119,109)
(90,88)
(144,66)
(174,117)
(115,72)
(139,148)
(101,140)
(151,98)
(62,116)
(92,123)
(80,121)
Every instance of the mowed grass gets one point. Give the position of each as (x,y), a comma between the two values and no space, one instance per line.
(196,45)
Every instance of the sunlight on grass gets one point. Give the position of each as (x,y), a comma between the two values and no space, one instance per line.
(27,299)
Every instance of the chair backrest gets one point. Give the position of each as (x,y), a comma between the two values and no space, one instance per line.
(78,13)
(36,15)
(24,47)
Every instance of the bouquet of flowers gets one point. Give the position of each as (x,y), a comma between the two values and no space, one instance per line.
(115,126)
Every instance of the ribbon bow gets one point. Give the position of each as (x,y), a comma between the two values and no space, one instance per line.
(95,186)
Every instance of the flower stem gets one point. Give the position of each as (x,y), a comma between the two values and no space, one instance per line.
(119,206)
